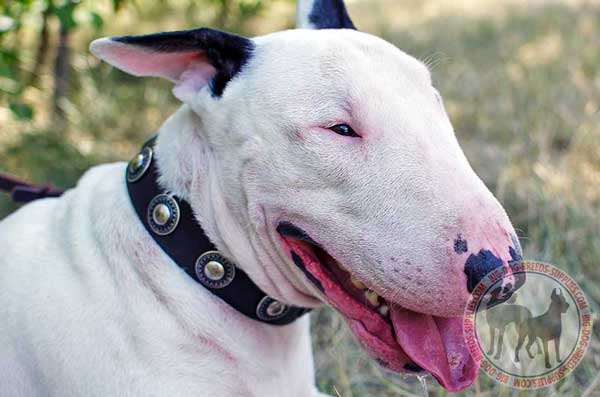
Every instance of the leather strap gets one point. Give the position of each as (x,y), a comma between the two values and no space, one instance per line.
(174,228)
(23,192)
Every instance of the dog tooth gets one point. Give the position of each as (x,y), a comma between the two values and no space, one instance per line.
(357,283)
(372,297)
(384,310)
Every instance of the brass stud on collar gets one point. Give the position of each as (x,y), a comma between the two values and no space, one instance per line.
(137,162)
(163,214)
(270,309)
(214,270)
(139,165)
(275,308)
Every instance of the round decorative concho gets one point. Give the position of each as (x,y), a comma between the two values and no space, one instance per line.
(163,214)
(270,309)
(139,164)
(214,270)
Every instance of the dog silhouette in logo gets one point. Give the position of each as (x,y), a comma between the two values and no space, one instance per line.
(546,327)
(499,317)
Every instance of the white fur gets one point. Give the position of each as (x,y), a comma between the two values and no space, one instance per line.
(91,306)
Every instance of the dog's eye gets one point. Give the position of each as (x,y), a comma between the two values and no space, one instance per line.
(345,130)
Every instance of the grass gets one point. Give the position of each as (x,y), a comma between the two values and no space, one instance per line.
(521,85)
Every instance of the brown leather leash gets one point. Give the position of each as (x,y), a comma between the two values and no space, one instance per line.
(23,192)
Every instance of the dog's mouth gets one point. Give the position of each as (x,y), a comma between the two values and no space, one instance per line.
(399,339)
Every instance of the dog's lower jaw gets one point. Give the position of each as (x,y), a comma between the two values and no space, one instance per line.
(283,281)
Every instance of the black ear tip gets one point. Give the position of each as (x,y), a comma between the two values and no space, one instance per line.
(227,52)
(330,14)
(186,40)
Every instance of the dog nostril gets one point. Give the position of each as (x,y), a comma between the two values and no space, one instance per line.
(480,265)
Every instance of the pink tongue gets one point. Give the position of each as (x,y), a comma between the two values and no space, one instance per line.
(437,345)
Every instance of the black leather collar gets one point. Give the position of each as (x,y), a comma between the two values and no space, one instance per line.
(171,223)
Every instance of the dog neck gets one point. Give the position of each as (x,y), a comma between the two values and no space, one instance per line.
(188,168)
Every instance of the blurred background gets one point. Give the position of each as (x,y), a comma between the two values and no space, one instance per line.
(521,82)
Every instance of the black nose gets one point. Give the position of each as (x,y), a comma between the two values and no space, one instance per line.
(480,265)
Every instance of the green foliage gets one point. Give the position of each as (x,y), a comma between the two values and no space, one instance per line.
(249,8)
(9,76)
(47,158)
(117,4)
(43,157)
(65,14)
(96,20)
(21,111)
(20,65)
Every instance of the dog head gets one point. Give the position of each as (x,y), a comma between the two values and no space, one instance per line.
(341,176)
(559,301)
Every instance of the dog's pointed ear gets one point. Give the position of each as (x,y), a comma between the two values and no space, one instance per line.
(192,59)
(322,14)
(553,294)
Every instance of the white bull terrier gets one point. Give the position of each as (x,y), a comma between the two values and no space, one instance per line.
(321,162)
